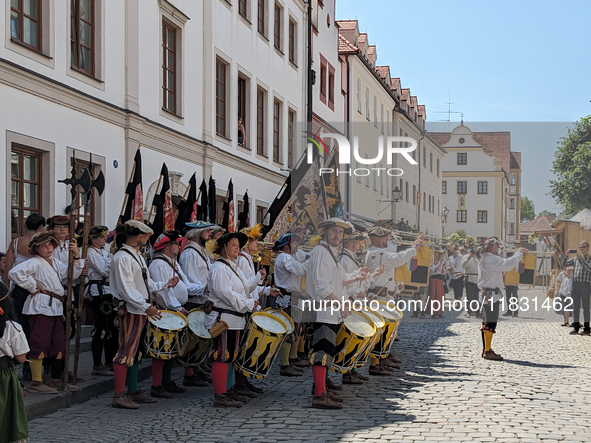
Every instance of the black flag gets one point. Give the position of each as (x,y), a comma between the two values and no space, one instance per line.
(187,209)
(202,207)
(244,216)
(134,200)
(164,220)
(228,218)
(212,203)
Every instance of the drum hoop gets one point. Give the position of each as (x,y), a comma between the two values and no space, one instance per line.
(274,317)
(368,318)
(189,326)
(377,314)
(283,315)
(179,314)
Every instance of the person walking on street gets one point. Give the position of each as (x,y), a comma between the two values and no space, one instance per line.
(581,289)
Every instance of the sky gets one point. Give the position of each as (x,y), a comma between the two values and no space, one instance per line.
(500,62)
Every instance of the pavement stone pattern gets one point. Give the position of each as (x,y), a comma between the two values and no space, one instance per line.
(443,392)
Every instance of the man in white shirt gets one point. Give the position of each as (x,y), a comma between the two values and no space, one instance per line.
(490,284)
(195,262)
(59,226)
(470,265)
(130,283)
(326,281)
(456,273)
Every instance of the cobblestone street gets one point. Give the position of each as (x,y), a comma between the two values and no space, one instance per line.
(444,391)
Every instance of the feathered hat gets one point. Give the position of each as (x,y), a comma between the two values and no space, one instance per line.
(253,233)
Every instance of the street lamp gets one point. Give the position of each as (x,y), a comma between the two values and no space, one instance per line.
(396,194)
(444,214)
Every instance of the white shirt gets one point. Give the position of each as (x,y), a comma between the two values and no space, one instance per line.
(566,286)
(490,272)
(228,289)
(352,269)
(456,264)
(391,260)
(127,283)
(53,277)
(99,268)
(171,298)
(13,342)
(470,265)
(437,268)
(325,276)
(246,264)
(195,267)
(61,252)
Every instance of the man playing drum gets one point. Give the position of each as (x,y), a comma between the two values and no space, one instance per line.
(385,284)
(326,281)
(490,283)
(131,284)
(163,268)
(229,292)
(194,260)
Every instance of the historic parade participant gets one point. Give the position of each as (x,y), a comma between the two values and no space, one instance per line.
(44,277)
(435,292)
(104,335)
(470,265)
(581,287)
(131,284)
(456,273)
(490,283)
(194,260)
(229,293)
(59,227)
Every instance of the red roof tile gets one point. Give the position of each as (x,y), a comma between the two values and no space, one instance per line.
(346,47)
(347,24)
(395,84)
(413,100)
(440,138)
(371,49)
(362,38)
(422,110)
(384,71)
(405,94)
(515,160)
(539,224)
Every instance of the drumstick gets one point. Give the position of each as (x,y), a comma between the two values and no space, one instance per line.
(382,288)
(381,254)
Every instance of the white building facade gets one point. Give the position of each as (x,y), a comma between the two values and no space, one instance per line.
(170,76)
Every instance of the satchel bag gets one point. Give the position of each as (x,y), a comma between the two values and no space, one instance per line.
(218,328)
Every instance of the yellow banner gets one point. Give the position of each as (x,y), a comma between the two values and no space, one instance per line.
(420,276)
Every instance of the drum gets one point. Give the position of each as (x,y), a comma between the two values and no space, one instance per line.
(285,318)
(379,323)
(392,318)
(199,342)
(260,344)
(166,338)
(353,337)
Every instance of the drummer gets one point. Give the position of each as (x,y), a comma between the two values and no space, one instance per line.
(326,281)
(246,264)
(288,275)
(352,267)
(384,286)
(131,284)
(163,267)
(229,293)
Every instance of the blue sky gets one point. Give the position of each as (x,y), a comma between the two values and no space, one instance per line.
(501,61)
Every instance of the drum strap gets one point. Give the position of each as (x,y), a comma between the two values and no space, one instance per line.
(330,252)
(200,255)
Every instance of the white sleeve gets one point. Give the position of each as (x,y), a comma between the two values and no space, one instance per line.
(218,279)
(21,275)
(395,259)
(194,289)
(317,276)
(189,267)
(17,341)
(101,263)
(121,271)
(502,264)
(159,271)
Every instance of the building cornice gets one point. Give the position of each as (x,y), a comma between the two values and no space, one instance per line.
(473,174)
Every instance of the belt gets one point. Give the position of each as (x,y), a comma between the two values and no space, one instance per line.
(437,277)
(229,311)
(495,290)
(53,295)
(6,362)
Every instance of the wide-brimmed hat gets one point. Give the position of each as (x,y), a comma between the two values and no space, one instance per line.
(224,239)
(165,239)
(335,221)
(143,228)
(253,233)
(199,224)
(58,220)
(40,239)
(356,236)
(284,240)
(379,231)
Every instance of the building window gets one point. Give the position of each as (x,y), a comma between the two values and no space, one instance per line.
(513,179)
(82,36)
(375,182)
(291,116)
(512,228)
(462,158)
(261,16)
(387,178)
(424,201)
(276,129)
(424,157)
(483,187)
(431,161)
(242,8)
(25,171)
(323,82)
(261,95)
(461,216)
(511,203)
(359,97)
(382,117)
(292,42)
(169,67)
(462,187)
(220,98)
(401,190)
(331,86)
(437,167)
(444,187)
(367,116)
(219,202)
(381,182)
(482,216)
(407,192)
(277,27)
(375,111)
(358,176)
(414,194)
(242,110)
(388,123)
(25,22)
(260,213)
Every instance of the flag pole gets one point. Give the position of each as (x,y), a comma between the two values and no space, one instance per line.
(130,179)
(155,192)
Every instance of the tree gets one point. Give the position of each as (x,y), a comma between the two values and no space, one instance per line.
(572,168)
(544,212)
(528,211)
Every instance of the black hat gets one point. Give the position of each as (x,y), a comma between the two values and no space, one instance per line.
(224,239)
